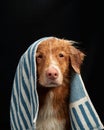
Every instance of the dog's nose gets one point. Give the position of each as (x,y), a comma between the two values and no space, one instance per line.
(52,73)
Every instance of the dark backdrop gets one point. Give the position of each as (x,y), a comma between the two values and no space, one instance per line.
(24,21)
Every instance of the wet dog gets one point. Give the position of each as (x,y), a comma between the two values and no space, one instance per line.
(55,59)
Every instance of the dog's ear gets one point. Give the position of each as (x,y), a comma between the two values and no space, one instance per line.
(76,57)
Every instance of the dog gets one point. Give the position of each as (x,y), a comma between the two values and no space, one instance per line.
(56,59)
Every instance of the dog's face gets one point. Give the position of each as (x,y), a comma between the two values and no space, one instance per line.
(54,59)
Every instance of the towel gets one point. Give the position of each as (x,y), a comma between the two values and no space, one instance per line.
(24,104)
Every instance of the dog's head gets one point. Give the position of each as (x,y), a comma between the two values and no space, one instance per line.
(55,58)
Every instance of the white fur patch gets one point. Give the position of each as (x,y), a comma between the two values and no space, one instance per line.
(47,117)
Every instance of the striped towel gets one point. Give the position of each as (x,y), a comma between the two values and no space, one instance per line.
(24,103)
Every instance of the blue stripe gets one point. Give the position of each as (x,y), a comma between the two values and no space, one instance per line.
(26,69)
(26,109)
(12,114)
(19,122)
(34,80)
(33,66)
(92,113)
(77,119)
(71,119)
(26,89)
(36,102)
(85,116)
(24,120)
(15,101)
(29,55)
(33,105)
(16,81)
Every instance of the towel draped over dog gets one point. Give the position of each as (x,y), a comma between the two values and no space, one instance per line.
(24,103)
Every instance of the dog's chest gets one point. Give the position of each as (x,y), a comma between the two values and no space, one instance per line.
(47,119)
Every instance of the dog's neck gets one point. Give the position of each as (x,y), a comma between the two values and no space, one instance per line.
(59,93)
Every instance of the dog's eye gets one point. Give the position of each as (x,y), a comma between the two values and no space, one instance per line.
(61,55)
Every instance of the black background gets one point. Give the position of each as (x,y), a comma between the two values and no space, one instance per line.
(24,21)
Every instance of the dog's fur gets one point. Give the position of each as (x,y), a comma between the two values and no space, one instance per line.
(56,58)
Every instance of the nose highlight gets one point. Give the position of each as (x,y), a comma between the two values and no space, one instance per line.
(52,73)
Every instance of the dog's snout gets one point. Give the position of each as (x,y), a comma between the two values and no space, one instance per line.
(52,73)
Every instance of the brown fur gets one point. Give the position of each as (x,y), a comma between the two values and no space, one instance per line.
(67,57)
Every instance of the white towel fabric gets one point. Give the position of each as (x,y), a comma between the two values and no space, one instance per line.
(24,99)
